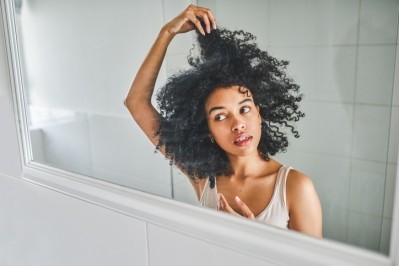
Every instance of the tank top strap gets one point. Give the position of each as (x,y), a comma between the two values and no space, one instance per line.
(209,197)
(204,188)
(281,184)
(276,212)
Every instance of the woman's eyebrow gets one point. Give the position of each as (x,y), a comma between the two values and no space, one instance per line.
(215,108)
(222,107)
(244,101)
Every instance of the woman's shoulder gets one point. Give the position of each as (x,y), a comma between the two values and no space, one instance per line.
(303,204)
(296,177)
(299,187)
(298,182)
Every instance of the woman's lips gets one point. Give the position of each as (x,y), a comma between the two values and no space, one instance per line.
(242,140)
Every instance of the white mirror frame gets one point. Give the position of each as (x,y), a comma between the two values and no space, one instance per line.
(279,247)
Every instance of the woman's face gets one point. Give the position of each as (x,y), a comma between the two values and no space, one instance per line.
(234,121)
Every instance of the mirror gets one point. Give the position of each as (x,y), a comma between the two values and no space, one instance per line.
(78,60)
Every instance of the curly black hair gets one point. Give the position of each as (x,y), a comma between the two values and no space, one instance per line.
(226,58)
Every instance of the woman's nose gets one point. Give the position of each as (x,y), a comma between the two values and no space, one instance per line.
(238,125)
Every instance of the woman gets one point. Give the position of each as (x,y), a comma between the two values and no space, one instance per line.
(220,121)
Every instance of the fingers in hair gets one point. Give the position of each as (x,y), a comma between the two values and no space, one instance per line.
(194,12)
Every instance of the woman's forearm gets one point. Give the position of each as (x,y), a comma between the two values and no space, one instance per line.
(142,88)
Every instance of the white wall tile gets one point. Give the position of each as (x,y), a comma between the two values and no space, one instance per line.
(172,8)
(182,43)
(378,22)
(367,187)
(254,16)
(327,128)
(167,247)
(130,153)
(324,73)
(335,221)
(247,15)
(375,74)
(176,62)
(394,136)
(66,145)
(110,45)
(364,230)
(370,135)
(43,227)
(128,159)
(330,174)
(313,22)
(395,100)
(127,180)
(183,189)
(226,12)
(390,190)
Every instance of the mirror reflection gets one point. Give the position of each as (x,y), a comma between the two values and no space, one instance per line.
(220,122)
(341,53)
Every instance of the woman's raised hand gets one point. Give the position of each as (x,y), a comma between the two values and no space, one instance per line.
(190,19)
(224,206)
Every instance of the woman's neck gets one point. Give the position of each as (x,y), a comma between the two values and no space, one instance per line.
(249,166)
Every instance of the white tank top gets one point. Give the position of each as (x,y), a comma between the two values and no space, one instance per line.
(275,213)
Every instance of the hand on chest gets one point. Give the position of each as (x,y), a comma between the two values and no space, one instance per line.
(255,193)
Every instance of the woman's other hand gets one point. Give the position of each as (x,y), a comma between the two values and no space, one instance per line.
(190,19)
(224,206)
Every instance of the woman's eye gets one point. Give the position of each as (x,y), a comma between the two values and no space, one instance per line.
(245,109)
(220,117)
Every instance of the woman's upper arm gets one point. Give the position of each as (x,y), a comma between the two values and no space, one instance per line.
(303,205)
(138,99)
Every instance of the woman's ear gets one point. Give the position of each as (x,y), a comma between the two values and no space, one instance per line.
(211,138)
